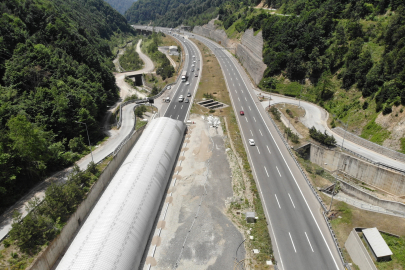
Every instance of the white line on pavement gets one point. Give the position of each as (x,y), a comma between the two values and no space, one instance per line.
(292,242)
(245,99)
(249,108)
(181,107)
(260,132)
(178,116)
(268,149)
(251,132)
(291,200)
(174,106)
(258,150)
(246,119)
(277,201)
(238,99)
(266,171)
(278,171)
(254,118)
(309,242)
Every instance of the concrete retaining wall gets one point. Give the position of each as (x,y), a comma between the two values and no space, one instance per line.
(358,252)
(370,145)
(361,170)
(355,192)
(249,51)
(58,246)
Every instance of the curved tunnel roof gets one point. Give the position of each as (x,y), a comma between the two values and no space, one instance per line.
(116,232)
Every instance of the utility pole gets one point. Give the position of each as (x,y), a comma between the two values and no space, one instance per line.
(91,151)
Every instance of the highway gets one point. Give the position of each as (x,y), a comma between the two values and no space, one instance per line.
(179,110)
(299,234)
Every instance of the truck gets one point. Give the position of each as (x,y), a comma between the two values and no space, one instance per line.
(184,76)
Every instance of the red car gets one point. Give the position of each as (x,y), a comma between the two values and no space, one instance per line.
(242,113)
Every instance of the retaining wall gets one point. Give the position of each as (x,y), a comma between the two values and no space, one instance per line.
(358,252)
(380,177)
(370,145)
(249,51)
(355,192)
(57,247)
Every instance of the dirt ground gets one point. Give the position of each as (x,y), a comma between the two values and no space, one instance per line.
(196,232)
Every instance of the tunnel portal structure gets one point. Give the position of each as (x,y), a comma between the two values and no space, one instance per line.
(116,232)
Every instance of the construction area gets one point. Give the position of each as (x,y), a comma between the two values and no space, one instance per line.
(194,230)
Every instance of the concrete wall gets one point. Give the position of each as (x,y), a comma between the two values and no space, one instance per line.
(370,145)
(58,246)
(249,51)
(380,177)
(358,252)
(353,191)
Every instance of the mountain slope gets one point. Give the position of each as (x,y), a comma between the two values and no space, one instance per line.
(120,5)
(55,69)
(172,13)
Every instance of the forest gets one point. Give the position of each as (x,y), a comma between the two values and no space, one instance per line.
(120,5)
(173,13)
(55,69)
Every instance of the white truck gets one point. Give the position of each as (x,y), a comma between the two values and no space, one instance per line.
(184,76)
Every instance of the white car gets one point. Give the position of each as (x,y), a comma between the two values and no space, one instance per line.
(187,83)
(169,87)
(251,142)
(192,65)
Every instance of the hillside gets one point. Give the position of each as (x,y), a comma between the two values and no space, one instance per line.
(55,69)
(172,13)
(346,56)
(120,5)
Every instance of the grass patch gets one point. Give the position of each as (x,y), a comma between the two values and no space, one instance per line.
(397,246)
(374,132)
(212,83)
(291,89)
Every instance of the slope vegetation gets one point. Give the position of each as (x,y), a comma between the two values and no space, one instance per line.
(55,69)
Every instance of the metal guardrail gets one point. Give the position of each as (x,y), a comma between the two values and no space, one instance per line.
(371,161)
(325,209)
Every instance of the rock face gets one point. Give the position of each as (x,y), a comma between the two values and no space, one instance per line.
(249,51)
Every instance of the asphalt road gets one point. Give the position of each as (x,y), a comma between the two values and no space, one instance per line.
(317,117)
(179,110)
(299,234)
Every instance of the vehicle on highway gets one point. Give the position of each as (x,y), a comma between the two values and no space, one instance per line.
(194,61)
(166,99)
(251,142)
(189,94)
(187,83)
(193,56)
(196,75)
(181,98)
(184,76)
(186,101)
(169,87)
(192,65)
(198,69)
(242,113)
(192,70)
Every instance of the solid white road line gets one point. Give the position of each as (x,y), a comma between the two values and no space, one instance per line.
(278,171)
(266,171)
(268,149)
(258,150)
(309,242)
(260,132)
(251,132)
(291,200)
(292,242)
(277,201)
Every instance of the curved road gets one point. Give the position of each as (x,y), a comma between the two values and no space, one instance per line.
(317,117)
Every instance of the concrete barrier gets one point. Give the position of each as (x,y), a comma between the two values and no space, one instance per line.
(355,192)
(380,177)
(58,246)
(358,252)
(370,145)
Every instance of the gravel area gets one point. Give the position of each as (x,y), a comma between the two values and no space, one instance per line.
(195,232)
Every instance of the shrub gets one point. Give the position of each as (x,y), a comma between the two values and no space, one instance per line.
(323,138)
(294,137)
(276,113)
